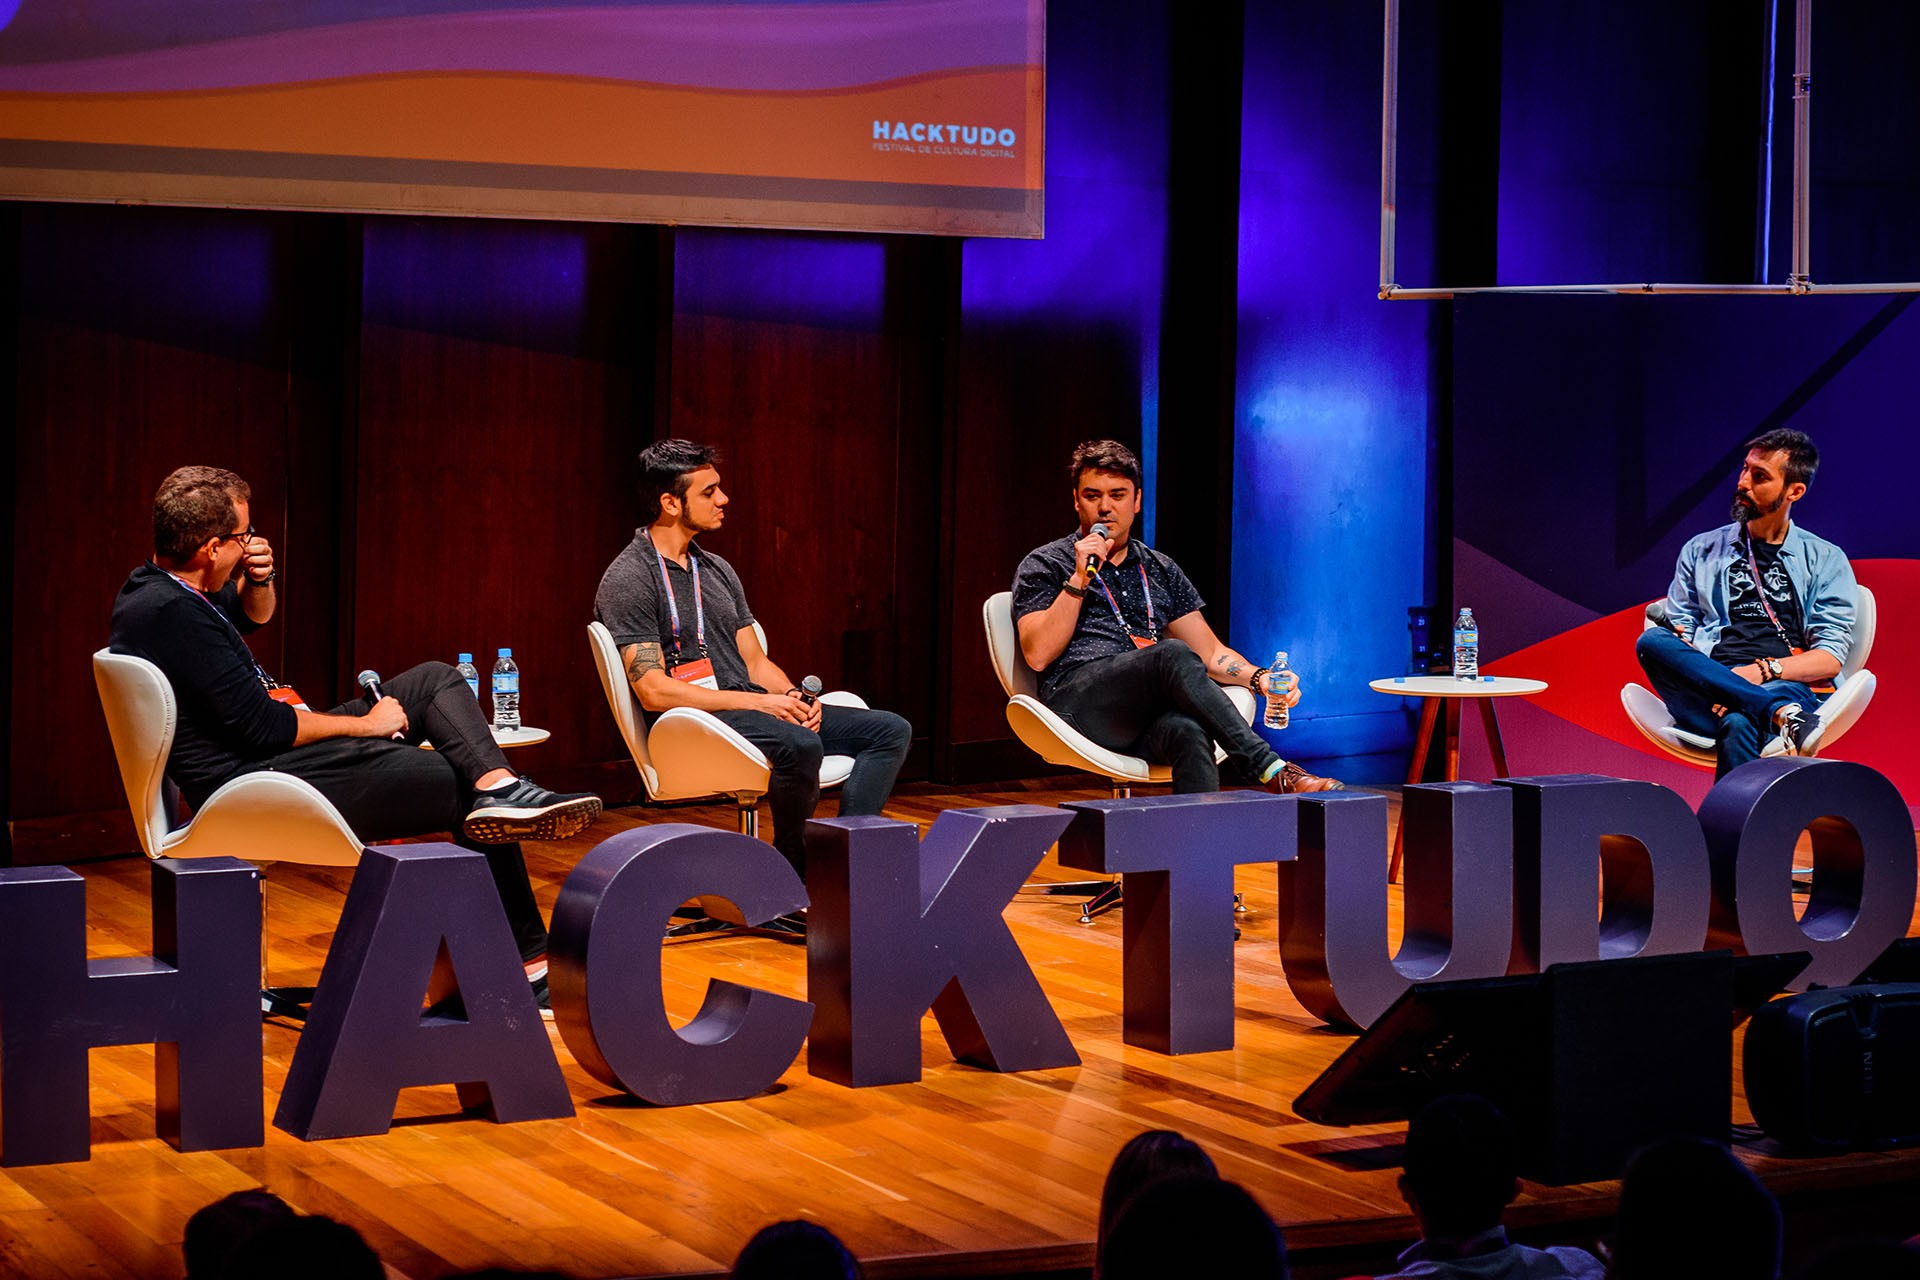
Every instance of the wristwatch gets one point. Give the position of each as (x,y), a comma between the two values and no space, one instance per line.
(1773,666)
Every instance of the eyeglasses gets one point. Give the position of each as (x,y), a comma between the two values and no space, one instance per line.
(245,536)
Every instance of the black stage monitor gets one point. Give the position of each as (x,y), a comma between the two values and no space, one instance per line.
(1590,1060)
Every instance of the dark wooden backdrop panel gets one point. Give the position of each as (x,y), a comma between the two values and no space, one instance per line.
(782,357)
(148,338)
(1028,394)
(503,374)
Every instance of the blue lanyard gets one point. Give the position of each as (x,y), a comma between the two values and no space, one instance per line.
(266,681)
(1153,631)
(673,606)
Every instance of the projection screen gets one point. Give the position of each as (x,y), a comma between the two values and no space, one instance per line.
(878,115)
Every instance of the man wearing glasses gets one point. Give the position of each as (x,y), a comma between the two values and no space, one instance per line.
(211,581)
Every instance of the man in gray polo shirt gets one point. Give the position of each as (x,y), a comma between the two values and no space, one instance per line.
(685,633)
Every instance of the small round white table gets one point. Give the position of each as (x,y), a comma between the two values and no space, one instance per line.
(1436,690)
(525,736)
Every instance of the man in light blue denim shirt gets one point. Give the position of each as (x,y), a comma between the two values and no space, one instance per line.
(1759,612)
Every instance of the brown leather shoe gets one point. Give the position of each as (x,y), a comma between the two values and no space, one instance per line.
(1293,779)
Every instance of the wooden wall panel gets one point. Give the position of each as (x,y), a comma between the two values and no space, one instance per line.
(783,357)
(1021,412)
(150,338)
(504,376)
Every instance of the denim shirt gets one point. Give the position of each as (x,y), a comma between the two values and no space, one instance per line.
(1821,575)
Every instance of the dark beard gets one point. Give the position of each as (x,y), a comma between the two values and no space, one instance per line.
(1744,511)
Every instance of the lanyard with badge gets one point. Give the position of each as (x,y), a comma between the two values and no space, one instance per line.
(1153,629)
(700,670)
(275,690)
(1760,589)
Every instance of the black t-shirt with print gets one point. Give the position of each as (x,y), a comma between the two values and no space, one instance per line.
(1750,633)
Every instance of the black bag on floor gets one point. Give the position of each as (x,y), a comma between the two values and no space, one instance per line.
(1838,1070)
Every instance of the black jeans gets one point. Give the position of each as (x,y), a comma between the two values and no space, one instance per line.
(387,789)
(877,741)
(1159,703)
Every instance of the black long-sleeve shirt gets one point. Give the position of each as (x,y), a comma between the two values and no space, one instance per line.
(227,722)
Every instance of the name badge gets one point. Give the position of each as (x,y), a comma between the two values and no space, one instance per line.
(285,693)
(700,673)
(1141,642)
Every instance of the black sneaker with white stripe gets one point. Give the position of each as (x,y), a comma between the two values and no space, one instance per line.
(1791,731)
(524,810)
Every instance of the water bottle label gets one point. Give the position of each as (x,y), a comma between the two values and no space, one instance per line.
(506,682)
(1466,637)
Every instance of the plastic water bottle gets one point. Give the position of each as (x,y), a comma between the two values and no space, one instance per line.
(468,673)
(1278,686)
(1466,647)
(506,692)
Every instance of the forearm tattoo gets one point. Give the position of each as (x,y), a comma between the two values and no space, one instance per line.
(646,657)
(1230,664)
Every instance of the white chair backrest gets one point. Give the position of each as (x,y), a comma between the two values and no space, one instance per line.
(626,707)
(141,715)
(1866,616)
(1003,646)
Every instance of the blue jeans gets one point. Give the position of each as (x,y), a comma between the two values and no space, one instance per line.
(877,741)
(1692,684)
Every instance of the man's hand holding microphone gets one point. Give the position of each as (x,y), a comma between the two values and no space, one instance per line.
(1091,552)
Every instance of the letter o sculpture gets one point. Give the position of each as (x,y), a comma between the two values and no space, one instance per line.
(1864,871)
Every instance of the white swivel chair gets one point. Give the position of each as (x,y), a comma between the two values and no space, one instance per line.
(1057,742)
(688,754)
(257,817)
(1852,691)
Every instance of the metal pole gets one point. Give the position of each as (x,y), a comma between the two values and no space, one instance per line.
(1399,293)
(1389,143)
(1802,273)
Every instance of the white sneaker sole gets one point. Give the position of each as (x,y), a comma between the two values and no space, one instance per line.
(549,822)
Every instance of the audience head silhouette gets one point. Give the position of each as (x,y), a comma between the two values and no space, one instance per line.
(217,1229)
(1460,1167)
(1147,1158)
(795,1250)
(1194,1225)
(304,1248)
(1689,1208)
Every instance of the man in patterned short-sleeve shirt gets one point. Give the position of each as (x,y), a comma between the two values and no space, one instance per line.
(1124,653)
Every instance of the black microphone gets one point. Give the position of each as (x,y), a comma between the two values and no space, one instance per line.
(369,681)
(810,690)
(1093,561)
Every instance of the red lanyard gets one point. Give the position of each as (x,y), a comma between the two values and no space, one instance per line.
(1153,631)
(1760,589)
(673,607)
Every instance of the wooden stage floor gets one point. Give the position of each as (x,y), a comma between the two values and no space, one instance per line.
(967,1172)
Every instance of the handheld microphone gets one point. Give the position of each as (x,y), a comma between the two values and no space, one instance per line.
(1093,561)
(810,690)
(369,681)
